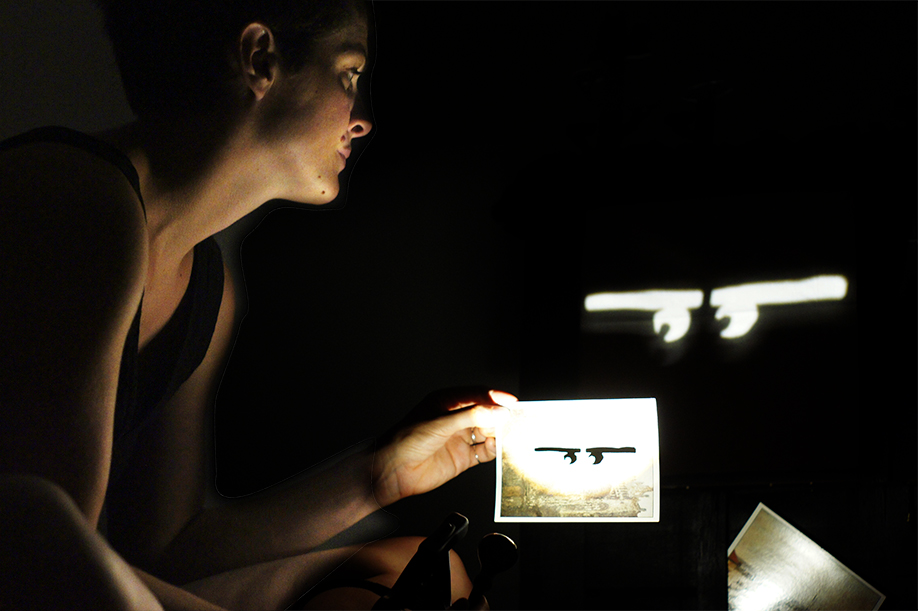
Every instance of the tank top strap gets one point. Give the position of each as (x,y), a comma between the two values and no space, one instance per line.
(72,137)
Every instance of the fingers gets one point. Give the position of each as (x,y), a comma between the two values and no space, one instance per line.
(458,427)
(465,419)
(480,422)
(486,419)
(451,399)
(502,398)
(483,452)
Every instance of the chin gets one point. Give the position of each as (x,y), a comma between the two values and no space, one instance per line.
(319,197)
(328,196)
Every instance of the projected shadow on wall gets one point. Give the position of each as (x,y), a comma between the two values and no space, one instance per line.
(746,334)
(739,305)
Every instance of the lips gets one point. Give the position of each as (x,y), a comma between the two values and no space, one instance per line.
(345,152)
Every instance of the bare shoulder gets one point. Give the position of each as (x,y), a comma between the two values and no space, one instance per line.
(72,197)
(75,229)
(72,270)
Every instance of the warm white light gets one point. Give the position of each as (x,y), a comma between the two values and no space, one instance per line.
(764,596)
(741,303)
(670,307)
(583,425)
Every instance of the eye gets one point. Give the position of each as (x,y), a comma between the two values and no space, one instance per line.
(350,78)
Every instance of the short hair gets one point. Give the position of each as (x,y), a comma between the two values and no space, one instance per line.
(177,56)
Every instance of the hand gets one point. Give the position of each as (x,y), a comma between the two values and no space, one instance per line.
(448,432)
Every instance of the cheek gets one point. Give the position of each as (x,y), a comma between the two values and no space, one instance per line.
(335,117)
(319,132)
(282,122)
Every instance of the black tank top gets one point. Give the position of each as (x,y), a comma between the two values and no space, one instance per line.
(147,379)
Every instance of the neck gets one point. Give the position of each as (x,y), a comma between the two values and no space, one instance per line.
(196,177)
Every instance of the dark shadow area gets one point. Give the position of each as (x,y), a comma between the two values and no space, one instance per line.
(737,156)
(527,155)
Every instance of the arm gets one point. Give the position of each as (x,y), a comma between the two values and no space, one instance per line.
(288,519)
(167,520)
(167,525)
(82,572)
(301,513)
(73,254)
(172,598)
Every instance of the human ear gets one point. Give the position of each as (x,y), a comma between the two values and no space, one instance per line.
(258,58)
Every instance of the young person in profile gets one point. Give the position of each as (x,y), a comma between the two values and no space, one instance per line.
(116,317)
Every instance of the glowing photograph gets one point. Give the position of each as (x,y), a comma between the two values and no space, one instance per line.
(772,565)
(579,461)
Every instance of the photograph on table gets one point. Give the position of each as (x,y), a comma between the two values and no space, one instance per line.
(772,565)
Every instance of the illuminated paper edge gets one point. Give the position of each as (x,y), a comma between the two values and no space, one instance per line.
(644,403)
(762,506)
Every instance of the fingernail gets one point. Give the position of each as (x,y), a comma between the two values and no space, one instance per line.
(502,398)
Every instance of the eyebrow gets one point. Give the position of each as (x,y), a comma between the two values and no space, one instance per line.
(353,47)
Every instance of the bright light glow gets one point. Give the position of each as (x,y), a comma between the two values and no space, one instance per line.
(583,425)
(741,303)
(764,596)
(671,307)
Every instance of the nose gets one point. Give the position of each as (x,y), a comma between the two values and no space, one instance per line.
(359,127)
(360,124)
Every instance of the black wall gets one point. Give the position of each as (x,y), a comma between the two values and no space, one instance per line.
(507,135)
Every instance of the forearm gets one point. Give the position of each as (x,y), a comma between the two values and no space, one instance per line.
(173,598)
(291,518)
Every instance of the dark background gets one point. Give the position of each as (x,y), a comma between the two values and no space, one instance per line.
(525,154)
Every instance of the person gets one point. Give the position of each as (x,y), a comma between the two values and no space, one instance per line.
(117,317)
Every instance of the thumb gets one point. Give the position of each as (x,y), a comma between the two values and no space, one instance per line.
(478,416)
(502,398)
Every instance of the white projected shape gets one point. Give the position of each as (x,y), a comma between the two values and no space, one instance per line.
(669,307)
(741,302)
